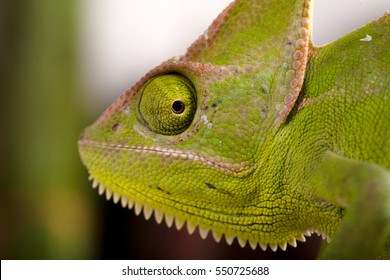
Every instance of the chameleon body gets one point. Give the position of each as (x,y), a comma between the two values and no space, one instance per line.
(258,135)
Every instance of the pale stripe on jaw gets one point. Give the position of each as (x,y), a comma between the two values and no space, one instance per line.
(235,168)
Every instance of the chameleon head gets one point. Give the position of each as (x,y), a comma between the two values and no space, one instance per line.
(183,142)
(189,141)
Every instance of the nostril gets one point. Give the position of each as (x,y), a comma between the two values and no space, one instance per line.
(115,127)
(81,137)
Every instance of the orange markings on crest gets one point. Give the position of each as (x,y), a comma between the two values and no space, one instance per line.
(299,63)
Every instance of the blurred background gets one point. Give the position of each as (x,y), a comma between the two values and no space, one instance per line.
(62,63)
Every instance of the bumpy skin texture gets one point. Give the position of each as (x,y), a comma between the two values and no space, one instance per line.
(257,134)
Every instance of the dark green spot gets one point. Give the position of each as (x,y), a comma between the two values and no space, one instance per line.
(210,186)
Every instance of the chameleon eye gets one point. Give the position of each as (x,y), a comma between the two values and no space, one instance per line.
(168,104)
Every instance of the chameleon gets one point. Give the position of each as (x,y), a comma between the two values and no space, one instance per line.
(258,135)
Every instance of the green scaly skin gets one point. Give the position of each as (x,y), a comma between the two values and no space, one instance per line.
(257,134)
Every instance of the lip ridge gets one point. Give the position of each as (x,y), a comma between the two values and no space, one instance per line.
(238,169)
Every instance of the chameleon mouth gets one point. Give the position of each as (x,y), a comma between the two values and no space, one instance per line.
(237,169)
(171,220)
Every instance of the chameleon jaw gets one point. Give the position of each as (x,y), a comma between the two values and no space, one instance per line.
(159,216)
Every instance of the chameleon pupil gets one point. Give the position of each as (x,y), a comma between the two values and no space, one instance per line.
(178,107)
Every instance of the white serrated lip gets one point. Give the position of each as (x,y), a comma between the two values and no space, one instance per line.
(171,220)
